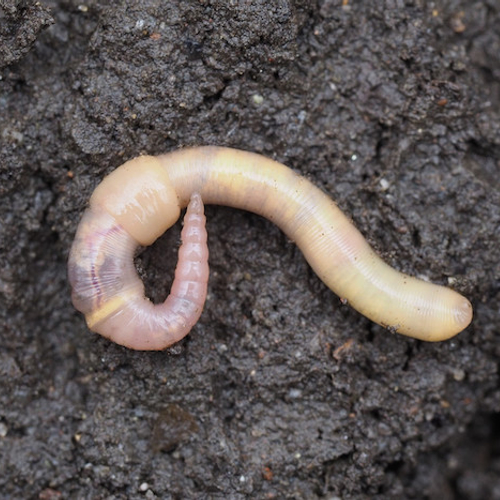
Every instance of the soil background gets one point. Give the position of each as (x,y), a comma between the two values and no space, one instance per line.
(280,392)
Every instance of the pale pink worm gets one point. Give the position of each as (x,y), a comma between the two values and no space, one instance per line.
(141,199)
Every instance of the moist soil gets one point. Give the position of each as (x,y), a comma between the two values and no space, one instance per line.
(392,107)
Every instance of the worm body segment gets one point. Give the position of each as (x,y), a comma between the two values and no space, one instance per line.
(138,201)
(107,289)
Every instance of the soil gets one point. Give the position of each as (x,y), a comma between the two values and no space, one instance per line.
(280,392)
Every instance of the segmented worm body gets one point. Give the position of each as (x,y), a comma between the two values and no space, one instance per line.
(141,199)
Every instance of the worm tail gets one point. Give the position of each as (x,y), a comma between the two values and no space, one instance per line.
(107,289)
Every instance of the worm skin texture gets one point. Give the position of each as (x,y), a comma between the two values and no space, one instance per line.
(143,198)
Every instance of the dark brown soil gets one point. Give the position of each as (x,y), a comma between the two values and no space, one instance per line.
(280,392)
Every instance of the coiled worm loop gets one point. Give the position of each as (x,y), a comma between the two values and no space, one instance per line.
(140,200)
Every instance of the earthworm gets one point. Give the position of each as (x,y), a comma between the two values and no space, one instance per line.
(141,199)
